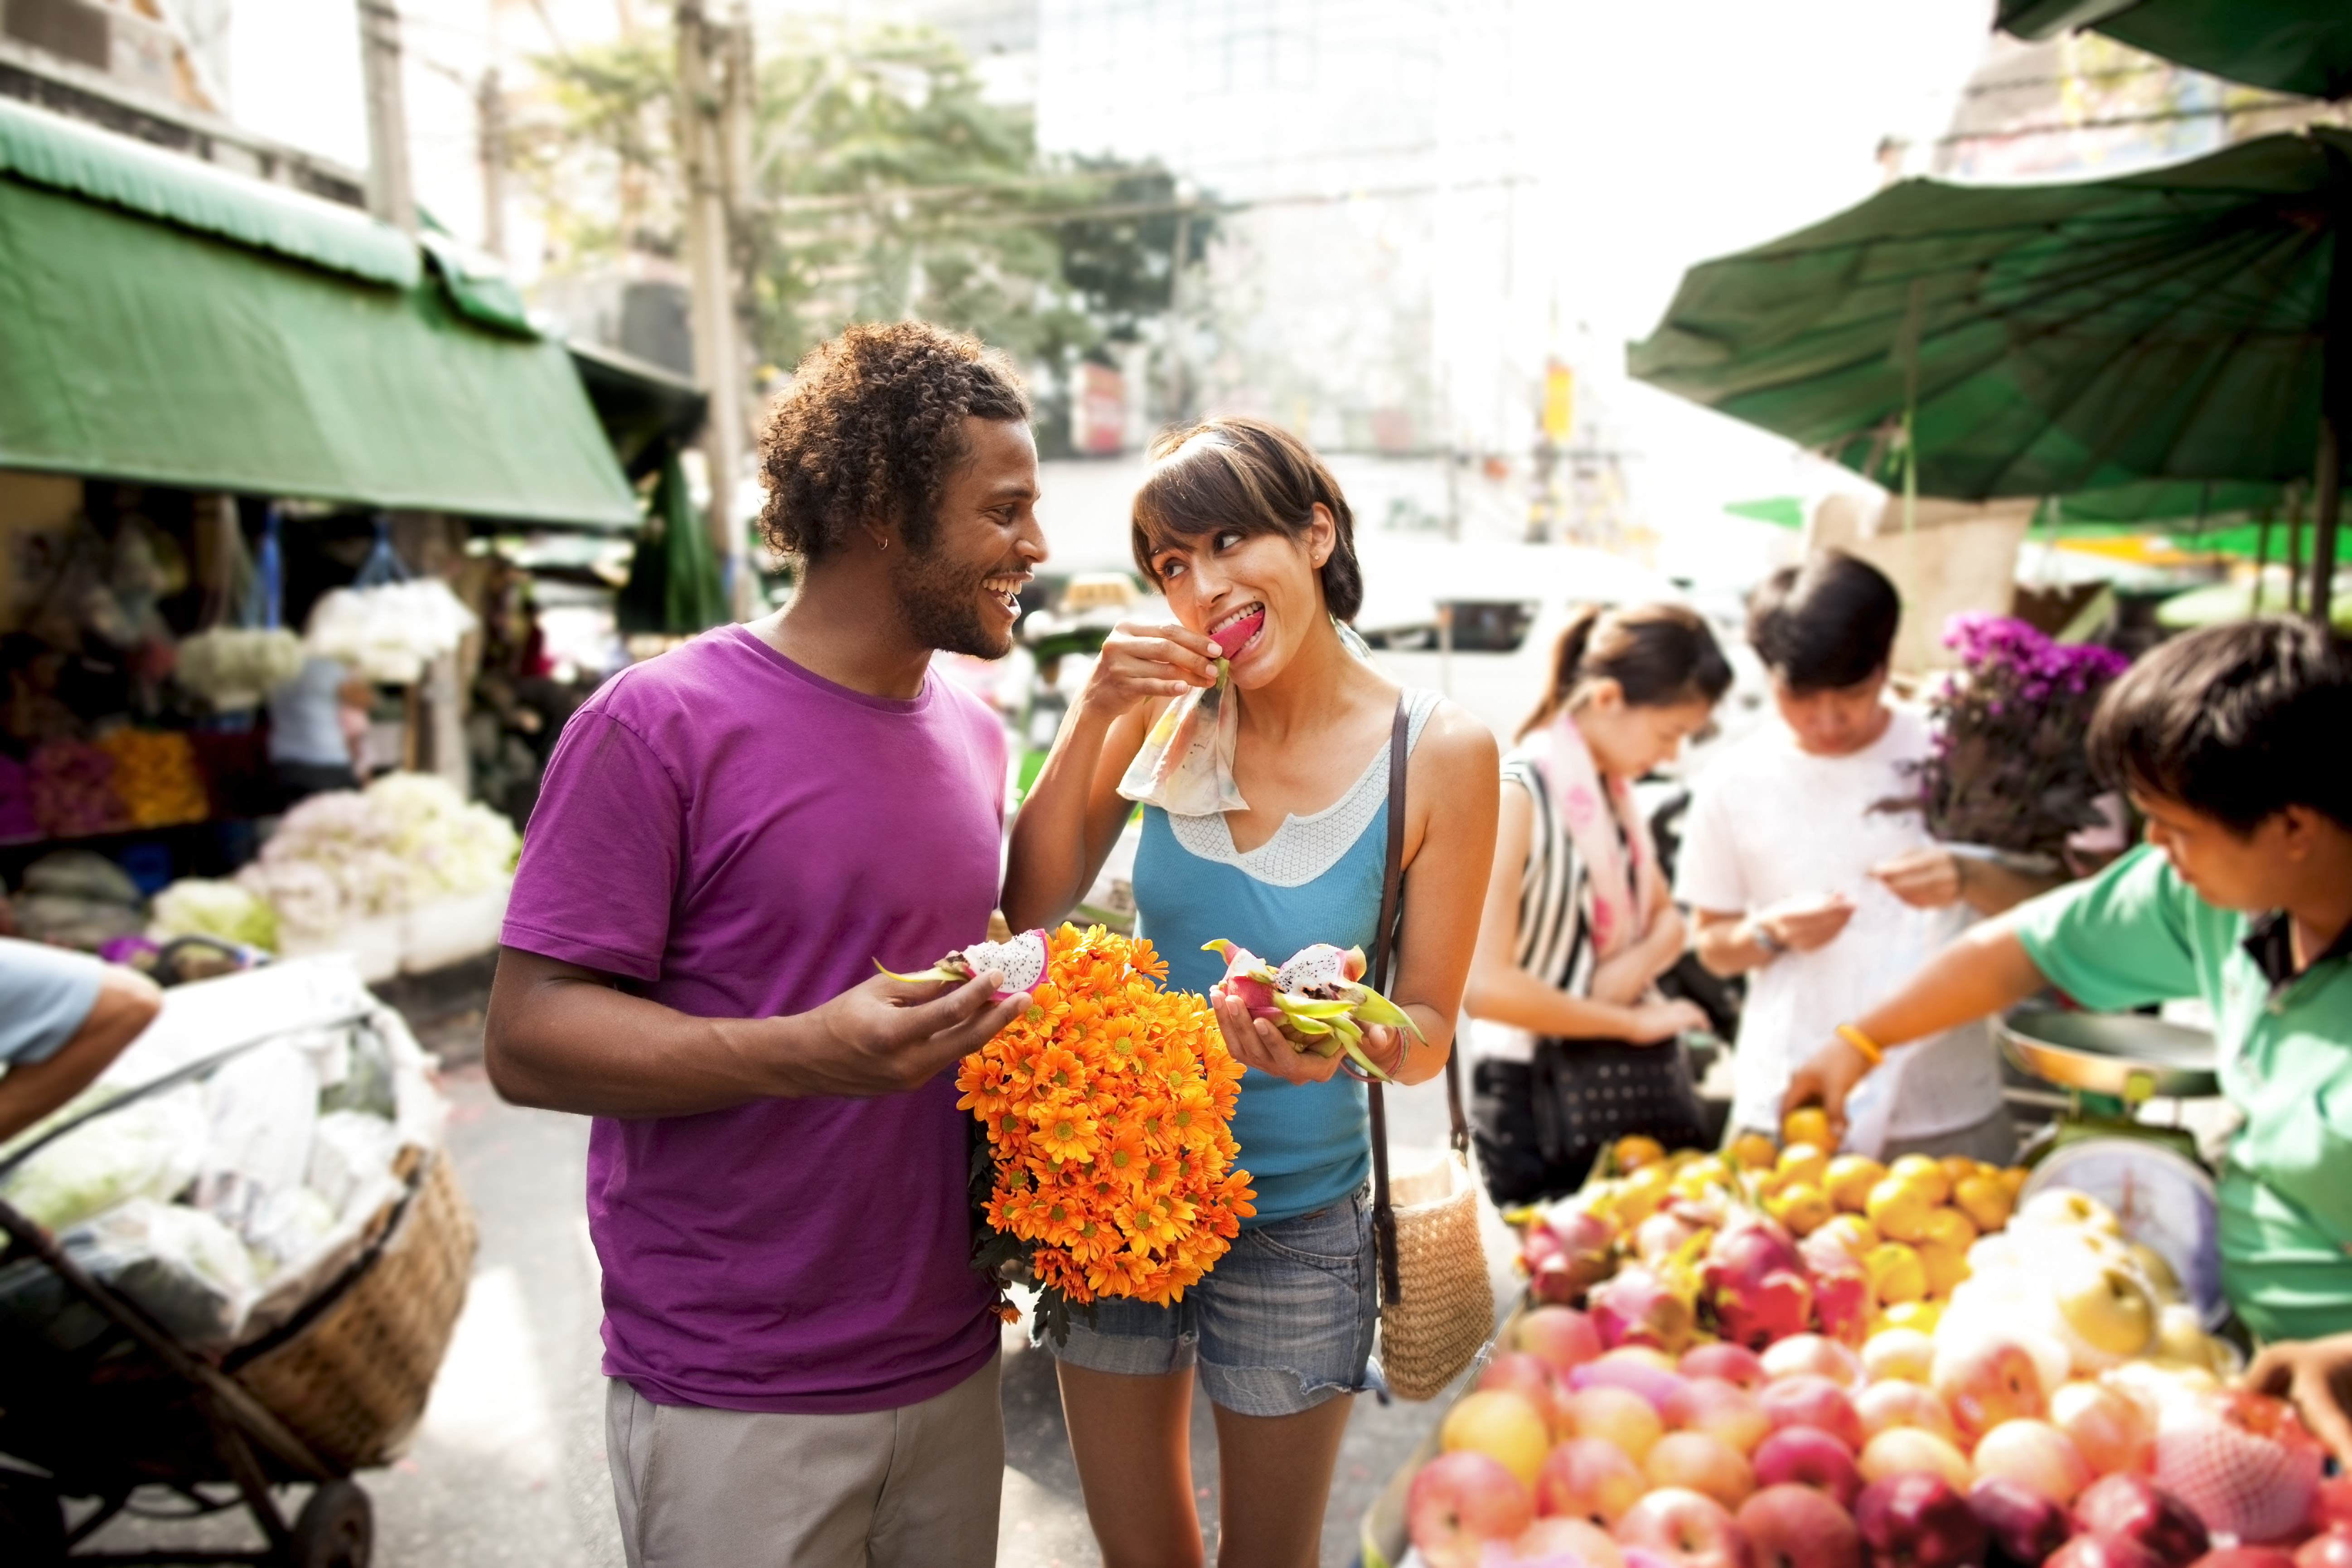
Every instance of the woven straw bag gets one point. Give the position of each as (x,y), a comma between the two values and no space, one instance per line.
(1437,1306)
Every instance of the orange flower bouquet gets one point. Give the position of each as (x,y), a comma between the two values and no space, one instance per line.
(1110,1164)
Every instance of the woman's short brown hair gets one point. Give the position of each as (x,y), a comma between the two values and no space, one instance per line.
(1250,476)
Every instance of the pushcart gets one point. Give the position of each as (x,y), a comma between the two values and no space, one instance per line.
(99,1401)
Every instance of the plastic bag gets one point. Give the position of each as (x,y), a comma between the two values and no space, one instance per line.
(148,1149)
(349,1150)
(185,1269)
(1186,765)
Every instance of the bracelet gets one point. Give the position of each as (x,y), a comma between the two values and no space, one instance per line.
(1870,1049)
(1761,936)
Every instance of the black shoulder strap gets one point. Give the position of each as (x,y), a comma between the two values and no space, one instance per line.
(1384,950)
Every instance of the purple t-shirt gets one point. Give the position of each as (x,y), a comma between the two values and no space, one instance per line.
(742,838)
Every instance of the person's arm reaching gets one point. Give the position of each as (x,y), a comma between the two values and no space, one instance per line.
(127,1003)
(2316,1375)
(1986,971)
(564,1037)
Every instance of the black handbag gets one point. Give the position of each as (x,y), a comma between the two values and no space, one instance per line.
(1585,1094)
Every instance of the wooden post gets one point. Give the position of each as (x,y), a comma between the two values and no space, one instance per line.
(707,105)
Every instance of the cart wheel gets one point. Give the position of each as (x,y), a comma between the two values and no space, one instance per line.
(336,1529)
(32,1524)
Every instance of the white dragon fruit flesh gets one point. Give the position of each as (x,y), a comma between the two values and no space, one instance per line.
(1020,958)
(1317,1000)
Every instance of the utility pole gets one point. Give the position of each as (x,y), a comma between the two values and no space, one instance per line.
(491,119)
(389,196)
(714,96)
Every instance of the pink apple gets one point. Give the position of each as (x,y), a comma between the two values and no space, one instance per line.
(2246,1557)
(2104,1552)
(1885,1405)
(2110,1426)
(1460,1500)
(1561,1337)
(1617,1415)
(1817,1354)
(1643,1557)
(1578,1538)
(2131,1507)
(1917,1521)
(1907,1450)
(1984,1381)
(1587,1479)
(2331,1548)
(1807,1457)
(1898,1353)
(1517,1372)
(2038,1454)
(1807,1399)
(2025,1525)
(1690,1528)
(1798,1527)
(1721,1409)
(1702,1464)
(1731,1362)
(1636,1371)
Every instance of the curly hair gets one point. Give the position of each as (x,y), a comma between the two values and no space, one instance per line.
(870,431)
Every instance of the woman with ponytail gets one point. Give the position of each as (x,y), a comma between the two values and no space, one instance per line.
(1574,1046)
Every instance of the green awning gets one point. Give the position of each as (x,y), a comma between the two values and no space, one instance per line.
(166,323)
(1780,512)
(2293,45)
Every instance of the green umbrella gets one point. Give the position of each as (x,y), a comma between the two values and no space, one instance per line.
(1975,342)
(2292,46)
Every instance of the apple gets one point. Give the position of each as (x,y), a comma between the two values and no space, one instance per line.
(1816,1354)
(1797,1527)
(1720,1409)
(2246,1557)
(1808,1400)
(2103,1552)
(1587,1479)
(1917,1521)
(2034,1454)
(1702,1464)
(1561,1337)
(2109,1428)
(1643,1557)
(1688,1528)
(1885,1405)
(1731,1362)
(1634,1373)
(1517,1372)
(1984,1381)
(2132,1507)
(2066,1206)
(1908,1450)
(2026,1526)
(1502,1425)
(1460,1500)
(2331,1548)
(2104,1305)
(1903,1354)
(1807,1456)
(1577,1537)
(1616,1415)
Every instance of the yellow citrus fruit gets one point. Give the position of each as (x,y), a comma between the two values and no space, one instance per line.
(2012,1180)
(1951,1227)
(1899,1209)
(1854,1233)
(1851,1177)
(1804,1162)
(1984,1200)
(1896,1273)
(1919,1315)
(1754,1152)
(1945,1267)
(1802,1207)
(1957,1168)
(1636,1152)
(1807,1124)
(1926,1174)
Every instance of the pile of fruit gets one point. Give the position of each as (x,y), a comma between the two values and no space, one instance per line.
(1773,1359)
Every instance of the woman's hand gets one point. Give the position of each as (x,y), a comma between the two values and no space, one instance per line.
(1825,1079)
(1258,1044)
(1928,877)
(2316,1375)
(1654,1023)
(1141,663)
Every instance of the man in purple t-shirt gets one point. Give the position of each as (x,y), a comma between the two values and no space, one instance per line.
(803,1361)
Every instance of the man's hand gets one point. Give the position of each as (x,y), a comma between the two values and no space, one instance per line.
(1257,1043)
(2316,1375)
(1801,925)
(1826,1079)
(886,1035)
(1928,877)
(1142,663)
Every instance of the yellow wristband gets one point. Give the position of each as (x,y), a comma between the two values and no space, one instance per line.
(1869,1048)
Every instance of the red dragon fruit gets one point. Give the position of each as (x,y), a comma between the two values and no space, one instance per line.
(1757,1283)
(1020,958)
(1637,1308)
(1842,1303)
(2243,1462)
(1317,999)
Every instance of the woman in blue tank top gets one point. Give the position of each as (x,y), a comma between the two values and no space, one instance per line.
(1240,527)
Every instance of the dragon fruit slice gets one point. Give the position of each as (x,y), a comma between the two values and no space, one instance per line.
(1229,640)
(1020,958)
(1317,999)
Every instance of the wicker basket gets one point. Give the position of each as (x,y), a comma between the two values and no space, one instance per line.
(353,1376)
(1448,1306)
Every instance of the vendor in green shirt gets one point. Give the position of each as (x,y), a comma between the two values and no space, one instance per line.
(2235,743)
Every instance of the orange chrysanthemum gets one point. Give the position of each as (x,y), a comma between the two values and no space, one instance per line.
(1106,1108)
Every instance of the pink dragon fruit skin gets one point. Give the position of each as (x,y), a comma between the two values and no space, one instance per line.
(1775,1307)
(2243,1463)
(1636,1307)
(1842,1302)
(1241,982)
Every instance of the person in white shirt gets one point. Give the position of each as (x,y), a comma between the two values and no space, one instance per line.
(1797,874)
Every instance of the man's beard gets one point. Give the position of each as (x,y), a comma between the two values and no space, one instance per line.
(941,603)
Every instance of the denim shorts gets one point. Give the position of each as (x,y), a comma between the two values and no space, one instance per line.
(1283,1322)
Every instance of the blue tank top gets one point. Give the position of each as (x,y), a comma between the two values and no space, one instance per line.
(1306,1145)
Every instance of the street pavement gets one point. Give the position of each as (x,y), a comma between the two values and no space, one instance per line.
(507,1467)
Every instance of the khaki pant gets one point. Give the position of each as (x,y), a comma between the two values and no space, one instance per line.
(912,1488)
